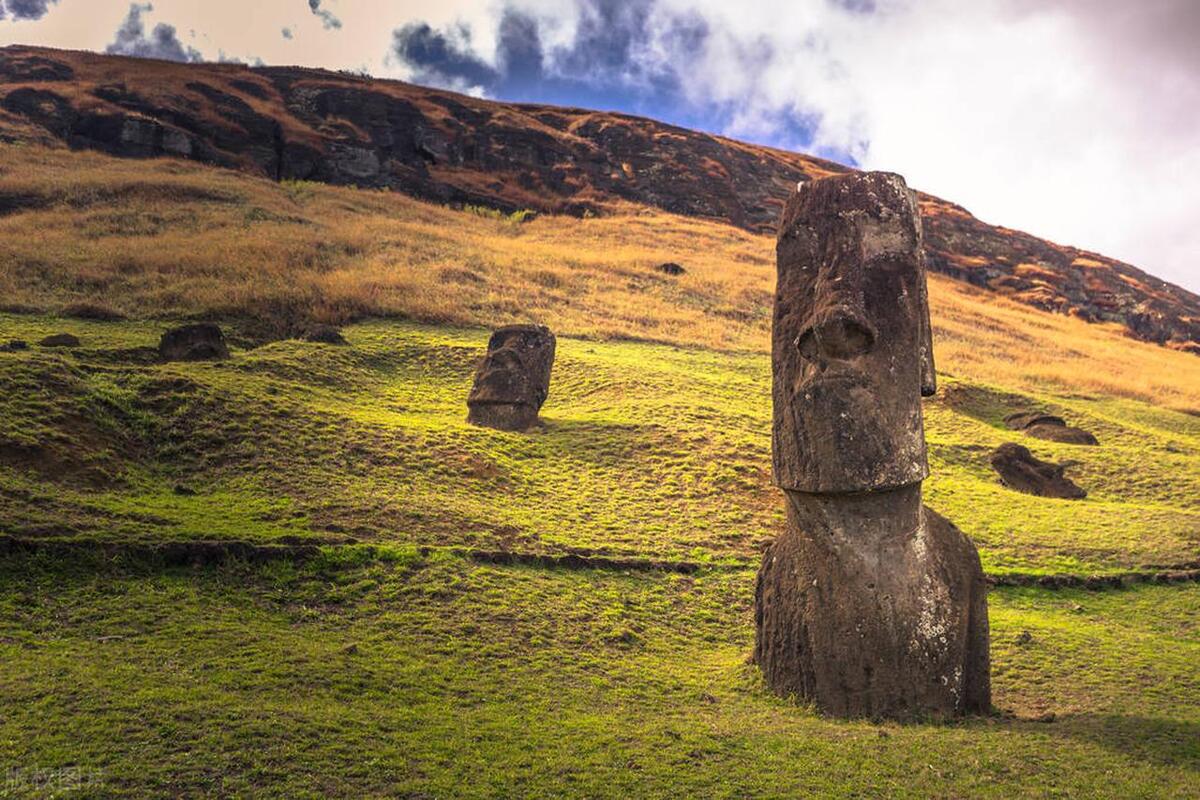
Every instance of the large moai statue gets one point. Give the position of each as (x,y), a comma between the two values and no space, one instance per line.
(514,379)
(868,604)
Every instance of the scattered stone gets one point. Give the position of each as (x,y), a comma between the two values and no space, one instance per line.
(1024,638)
(868,604)
(1049,427)
(513,381)
(325,334)
(60,340)
(671,268)
(1021,471)
(14,345)
(184,491)
(202,341)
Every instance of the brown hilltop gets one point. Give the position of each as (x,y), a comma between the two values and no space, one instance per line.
(293,123)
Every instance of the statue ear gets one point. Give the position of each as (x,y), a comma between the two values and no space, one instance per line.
(928,373)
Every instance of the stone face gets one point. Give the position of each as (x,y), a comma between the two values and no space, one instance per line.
(850,338)
(513,381)
(1020,470)
(868,604)
(202,341)
(1049,427)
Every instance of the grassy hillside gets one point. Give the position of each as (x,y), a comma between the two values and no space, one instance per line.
(394,662)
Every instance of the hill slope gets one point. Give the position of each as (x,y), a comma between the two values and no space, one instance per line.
(291,123)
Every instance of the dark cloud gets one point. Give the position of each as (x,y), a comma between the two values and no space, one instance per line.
(162,42)
(625,55)
(25,9)
(441,59)
(327,18)
(286,33)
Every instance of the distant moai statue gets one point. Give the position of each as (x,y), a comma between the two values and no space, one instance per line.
(513,381)
(868,604)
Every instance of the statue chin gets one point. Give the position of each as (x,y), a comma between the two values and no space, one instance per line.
(853,445)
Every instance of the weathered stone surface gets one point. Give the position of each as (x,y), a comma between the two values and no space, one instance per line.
(286,122)
(873,606)
(850,338)
(60,340)
(325,334)
(202,341)
(513,381)
(1049,427)
(868,604)
(1021,471)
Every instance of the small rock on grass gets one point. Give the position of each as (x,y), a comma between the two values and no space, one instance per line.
(60,340)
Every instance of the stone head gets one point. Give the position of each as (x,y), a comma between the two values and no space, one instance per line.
(852,352)
(513,380)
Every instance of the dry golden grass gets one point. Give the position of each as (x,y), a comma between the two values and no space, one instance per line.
(168,239)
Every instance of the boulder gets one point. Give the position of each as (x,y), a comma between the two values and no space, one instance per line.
(14,345)
(671,268)
(202,341)
(60,340)
(1021,471)
(324,334)
(1049,427)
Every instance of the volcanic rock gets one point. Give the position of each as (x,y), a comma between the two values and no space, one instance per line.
(868,603)
(325,334)
(1049,427)
(513,381)
(1021,471)
(60,340)
(202,341)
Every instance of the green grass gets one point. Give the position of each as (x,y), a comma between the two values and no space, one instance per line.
(407,669)
(647,451)
(436,677)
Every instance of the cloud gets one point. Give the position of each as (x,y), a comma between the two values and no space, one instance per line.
(1073,119)
(25,9)
(442,59)
(327,18)
(131,39)
(286,33)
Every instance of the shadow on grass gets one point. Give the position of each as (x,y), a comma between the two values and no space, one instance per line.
(1167,742)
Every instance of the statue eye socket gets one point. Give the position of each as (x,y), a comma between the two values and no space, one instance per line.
(806,343)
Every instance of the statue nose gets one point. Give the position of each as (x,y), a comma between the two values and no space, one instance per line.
(837,336)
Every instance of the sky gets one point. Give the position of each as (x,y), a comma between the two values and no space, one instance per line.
(1075,120)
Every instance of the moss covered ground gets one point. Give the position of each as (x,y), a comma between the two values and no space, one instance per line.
(408,669)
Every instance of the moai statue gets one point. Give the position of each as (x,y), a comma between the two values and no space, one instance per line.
(868,604)
(514,378)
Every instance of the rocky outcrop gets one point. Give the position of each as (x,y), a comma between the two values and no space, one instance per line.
(286,122)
